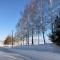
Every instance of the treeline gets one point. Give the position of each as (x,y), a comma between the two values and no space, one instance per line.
(37,18)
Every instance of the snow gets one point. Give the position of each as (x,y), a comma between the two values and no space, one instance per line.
(8,56)
(41,52)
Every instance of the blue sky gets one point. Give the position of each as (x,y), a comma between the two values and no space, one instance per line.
(9,15)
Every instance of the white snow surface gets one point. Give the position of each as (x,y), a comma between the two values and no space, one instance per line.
(40,52)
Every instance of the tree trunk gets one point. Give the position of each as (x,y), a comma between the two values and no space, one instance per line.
(26,40)
(43,37)
(23,41)
(12,39)
(28,37)
(52,27)
(38,36)
(32,37)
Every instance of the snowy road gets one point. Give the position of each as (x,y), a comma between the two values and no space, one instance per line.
(5,54)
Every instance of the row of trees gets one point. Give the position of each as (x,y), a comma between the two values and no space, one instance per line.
(54,36)
(36,19)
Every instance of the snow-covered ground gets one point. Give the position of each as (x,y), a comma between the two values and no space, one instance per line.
(41,52)
(31,52)
(5,54)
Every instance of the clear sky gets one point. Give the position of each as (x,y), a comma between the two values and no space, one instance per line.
(9,15)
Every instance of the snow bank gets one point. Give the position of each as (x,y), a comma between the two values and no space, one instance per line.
(47,47)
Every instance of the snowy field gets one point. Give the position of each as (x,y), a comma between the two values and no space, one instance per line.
(41,52)
(5,54)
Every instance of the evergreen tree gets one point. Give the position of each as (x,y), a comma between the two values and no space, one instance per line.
(55,36)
